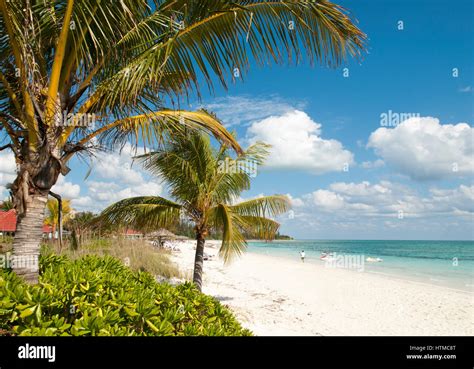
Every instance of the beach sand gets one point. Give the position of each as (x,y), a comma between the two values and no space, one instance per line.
(273,296)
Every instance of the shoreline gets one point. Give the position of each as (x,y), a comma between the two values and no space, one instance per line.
(272,295)
(421,268)
(393,276)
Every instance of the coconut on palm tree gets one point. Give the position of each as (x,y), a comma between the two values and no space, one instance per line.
(77,76)
(204,184)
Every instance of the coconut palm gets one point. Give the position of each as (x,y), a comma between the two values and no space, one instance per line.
(53,213)
(6,205)
(80,224)
(77,76)
(204,184)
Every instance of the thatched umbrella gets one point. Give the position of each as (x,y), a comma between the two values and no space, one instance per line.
(161,235)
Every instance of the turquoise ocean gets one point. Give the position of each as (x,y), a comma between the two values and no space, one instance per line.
(442,263)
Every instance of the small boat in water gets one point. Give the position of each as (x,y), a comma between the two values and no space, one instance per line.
(325,256)
(373,260)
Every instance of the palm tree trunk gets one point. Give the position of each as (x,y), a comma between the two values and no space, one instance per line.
(199,261)
(60,219)
(26,244)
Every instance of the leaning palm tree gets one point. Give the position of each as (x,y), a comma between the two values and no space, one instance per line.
(56,216)
(78,76)
(204,183)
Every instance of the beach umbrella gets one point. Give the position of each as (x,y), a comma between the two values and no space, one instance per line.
(162,234)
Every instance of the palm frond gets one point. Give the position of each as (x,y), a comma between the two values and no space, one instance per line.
(154,128)
(233,174)
(218,37)
(267,206)
(233,241)
(143,213)
(259,227)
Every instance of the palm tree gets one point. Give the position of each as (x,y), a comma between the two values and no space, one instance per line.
(204,191)
(78,76)
(53,213)
(6,205)
(80,224)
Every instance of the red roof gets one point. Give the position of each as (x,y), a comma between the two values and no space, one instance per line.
(7,221)
(131,232)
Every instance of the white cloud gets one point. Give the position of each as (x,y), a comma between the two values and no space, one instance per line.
(295,201)
(101,194)
(115,176)
(241,110)
(118,166)
(422,148)
(327,200)
(373,164)
(67,190)
(297,144)
(465,89)
(460,199)
(385,199)
(7,171)
(7,162)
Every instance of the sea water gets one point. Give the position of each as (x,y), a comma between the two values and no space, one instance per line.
(442,263)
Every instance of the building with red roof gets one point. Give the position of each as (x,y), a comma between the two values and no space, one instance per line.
(8,224)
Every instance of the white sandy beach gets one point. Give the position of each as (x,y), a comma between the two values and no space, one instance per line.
(276,296)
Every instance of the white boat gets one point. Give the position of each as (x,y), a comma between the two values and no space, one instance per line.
(373,260)
(325,256)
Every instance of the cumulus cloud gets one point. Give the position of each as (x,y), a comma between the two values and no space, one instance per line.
(424,149)
(67,190)
(119,166)
(295,201)
(101,194)
(326,200)
(297,144)
(115,176)
(344,200)
(373,164)
(241,110)
(7,171)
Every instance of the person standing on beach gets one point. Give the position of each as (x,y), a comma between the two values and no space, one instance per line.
(302,254)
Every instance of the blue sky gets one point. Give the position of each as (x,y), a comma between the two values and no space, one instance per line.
(406,181)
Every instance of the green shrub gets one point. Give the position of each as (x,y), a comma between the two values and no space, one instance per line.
(100,296)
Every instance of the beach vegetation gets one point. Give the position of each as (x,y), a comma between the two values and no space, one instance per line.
(99,296)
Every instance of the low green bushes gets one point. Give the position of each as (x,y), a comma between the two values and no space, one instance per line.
(100,296)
